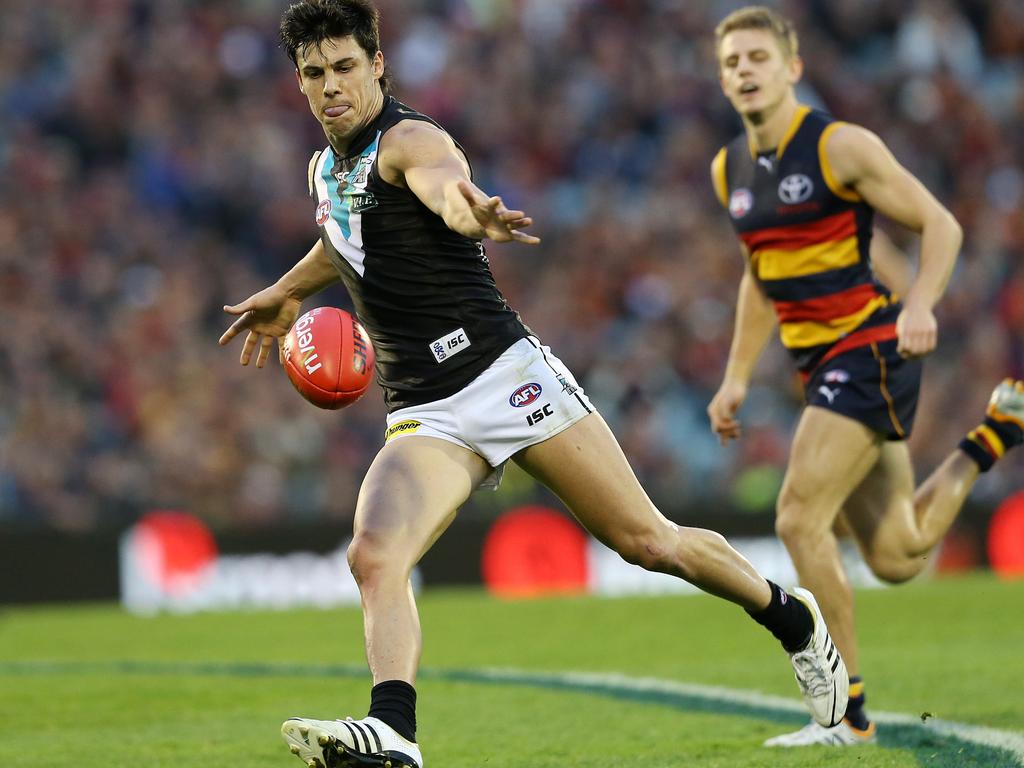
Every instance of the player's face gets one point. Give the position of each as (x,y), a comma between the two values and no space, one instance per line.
(755,73)
(342,85)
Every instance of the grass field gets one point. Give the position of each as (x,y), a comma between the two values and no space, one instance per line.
(91,687)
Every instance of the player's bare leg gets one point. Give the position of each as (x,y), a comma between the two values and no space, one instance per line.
(829,457)
(586,468)
(408,498)
(897,527)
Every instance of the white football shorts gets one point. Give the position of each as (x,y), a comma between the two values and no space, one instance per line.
(526,396)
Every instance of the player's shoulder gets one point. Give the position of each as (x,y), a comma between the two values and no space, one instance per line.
(314,162)
(718,176)
(844,136)
(414,129)
(408,141)
(725,158)
(848,151)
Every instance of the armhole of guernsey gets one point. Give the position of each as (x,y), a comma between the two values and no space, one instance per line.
(718,178)
(311,170)
(826,168)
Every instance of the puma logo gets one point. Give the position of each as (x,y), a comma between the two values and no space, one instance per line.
(830,394)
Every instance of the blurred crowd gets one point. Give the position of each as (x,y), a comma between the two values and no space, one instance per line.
(152,169)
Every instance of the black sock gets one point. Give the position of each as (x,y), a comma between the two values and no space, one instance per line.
(987,442)
(787,618)
(855,708)
(394,702)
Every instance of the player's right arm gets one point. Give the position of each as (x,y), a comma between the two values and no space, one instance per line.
(862,164)
(755,322)
(425,160)
(890,263)
(269,314)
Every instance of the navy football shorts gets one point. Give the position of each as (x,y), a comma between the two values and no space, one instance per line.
(872,384)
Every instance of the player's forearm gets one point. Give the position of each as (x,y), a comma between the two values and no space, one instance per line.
(755,323)
(457,214)
(311,274)
(890,264)
(941,238)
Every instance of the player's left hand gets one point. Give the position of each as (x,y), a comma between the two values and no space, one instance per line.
(495,220)
(266,316)
(917,332)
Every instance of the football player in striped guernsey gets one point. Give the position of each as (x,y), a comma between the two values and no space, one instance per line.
(801,190)
(467,386)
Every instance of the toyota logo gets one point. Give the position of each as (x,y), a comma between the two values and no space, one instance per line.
(795,188)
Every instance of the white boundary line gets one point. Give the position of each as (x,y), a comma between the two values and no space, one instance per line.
(1010,742)
(989,737)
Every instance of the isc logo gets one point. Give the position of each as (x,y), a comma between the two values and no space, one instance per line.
(539,414)
(525,395)
(449,345)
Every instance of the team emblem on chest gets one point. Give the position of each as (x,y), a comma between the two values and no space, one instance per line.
(323,212)
(740,203)
(795,188)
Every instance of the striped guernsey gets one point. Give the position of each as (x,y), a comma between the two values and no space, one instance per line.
(808,240)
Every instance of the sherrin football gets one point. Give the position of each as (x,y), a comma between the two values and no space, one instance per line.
(328,357)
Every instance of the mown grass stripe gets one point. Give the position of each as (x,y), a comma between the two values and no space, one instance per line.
(956,741)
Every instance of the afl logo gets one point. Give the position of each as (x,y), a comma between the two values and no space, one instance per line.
(525,395)
(795,188)
(740,203)
(323,212)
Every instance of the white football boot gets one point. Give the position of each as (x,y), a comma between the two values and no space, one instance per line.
(820,670)
(842,735)
(1007,403)
(366,743)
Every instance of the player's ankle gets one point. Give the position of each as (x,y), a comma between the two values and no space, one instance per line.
(989,442)
(787,618)
(856,714)
(393,702)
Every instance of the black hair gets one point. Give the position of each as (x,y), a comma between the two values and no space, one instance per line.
(309,23)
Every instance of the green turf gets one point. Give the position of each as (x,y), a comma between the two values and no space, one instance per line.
(948,647)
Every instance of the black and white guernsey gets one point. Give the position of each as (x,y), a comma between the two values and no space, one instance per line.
(424,293)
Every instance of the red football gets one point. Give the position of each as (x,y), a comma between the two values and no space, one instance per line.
(329,358)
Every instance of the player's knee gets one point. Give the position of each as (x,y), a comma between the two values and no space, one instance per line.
(668,551)
(797,523)
(371,559)
(893,569)
(790,526)
(645,550)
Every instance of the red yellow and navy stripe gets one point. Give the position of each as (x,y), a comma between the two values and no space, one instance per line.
(792,237)
(817,277)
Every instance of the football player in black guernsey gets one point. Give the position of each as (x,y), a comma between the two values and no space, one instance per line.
(466,383)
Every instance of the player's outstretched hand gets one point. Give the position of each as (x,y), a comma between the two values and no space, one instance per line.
(496,221)
(265,315)
(723,409)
